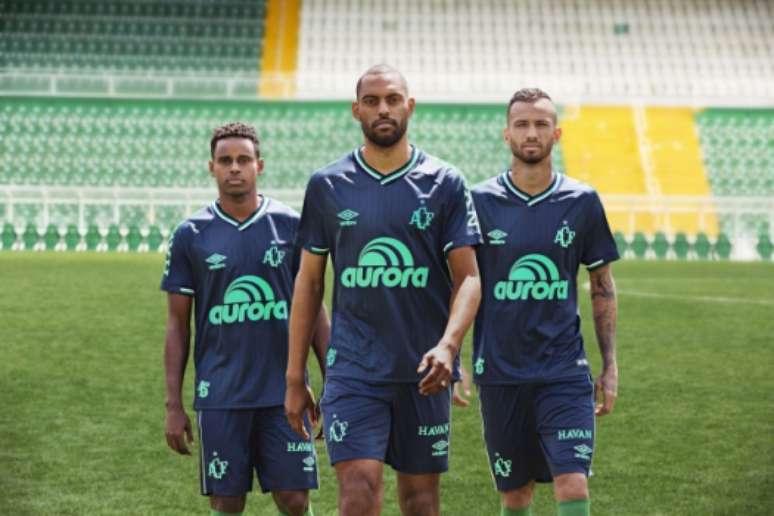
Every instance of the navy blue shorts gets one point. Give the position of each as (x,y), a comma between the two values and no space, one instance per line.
(538,431)
(391,423)
(236,442)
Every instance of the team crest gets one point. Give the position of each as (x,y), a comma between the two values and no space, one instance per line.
(338,431)
(273,256)
(502,467)
(478,367)
(217,468)
(204,389)
(421,218)
(564,236)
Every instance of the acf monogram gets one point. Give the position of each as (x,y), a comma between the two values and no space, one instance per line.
(248,297)
(387,262)
(533,276)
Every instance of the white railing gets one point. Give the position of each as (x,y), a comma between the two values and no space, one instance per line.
(739,217)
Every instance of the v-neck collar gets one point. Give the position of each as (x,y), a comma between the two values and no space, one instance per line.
(259,211)
(531,200)
(392,176)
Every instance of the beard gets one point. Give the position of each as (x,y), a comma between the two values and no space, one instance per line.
(384,140)
(532,159)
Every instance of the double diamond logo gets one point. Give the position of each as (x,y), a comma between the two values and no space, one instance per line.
(347,217)
(309,463)
(440,448)
(216,261)
(497,237)
(583,452)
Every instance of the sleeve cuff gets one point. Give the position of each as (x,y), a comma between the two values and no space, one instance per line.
(462,242)
(176,289)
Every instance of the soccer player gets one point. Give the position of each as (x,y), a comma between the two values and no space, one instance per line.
(537,397)
(391,217)
(235,262)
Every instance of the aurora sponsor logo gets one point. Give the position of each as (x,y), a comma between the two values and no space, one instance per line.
(248,298)
(385,262)
(533,276)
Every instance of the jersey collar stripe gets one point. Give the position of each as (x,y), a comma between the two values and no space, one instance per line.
(547,193)
(241,226)
(530,200)
(392,176)
(258,213)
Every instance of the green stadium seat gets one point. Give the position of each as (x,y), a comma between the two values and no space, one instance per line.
(639,245)
(723,246)
(113,238)
(764,246)
(702,246)
(8,236)
(51,237)
(133,238)
(621,243)
(30,237)
(681,246)
(660,245)
(93,237)
(155,238)
(72,237)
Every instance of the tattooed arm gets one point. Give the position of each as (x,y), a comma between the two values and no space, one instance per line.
(603,302)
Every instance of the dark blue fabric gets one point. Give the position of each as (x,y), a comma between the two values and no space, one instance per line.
(528,326)
(241,277)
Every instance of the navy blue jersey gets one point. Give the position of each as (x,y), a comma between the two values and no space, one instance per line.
(388,236)
(528,326)
(241,278)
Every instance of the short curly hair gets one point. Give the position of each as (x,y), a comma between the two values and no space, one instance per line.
(234,130)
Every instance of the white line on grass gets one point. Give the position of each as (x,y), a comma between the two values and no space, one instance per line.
(707,299)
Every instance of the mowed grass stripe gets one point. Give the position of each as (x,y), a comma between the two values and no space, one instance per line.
(81,426)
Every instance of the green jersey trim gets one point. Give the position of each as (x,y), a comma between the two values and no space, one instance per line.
(318,250)
(241,226)
(595,265)
(531,200)
(392,176)
(186,291)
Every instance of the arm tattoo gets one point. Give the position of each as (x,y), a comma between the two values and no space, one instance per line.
(603,301)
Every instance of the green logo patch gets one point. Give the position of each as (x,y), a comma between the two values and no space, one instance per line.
(564,236)
(273,256)
(385,262)
(204,389)
(497,237)
(502,467)
(217,468)
(440,448)
(533,276)
(347,217)
(421,218)
(478,367)
(330,357)
(216,261)
(248,298)
(338,431)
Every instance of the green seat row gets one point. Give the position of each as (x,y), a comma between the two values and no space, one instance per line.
(682,247)
(92,238)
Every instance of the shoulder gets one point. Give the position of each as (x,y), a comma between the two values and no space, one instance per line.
(573,188)
(488,188)
(196,223)
(341,167)
(435,166)
(281,211)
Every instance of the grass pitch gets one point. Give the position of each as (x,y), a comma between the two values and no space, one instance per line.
(81,391)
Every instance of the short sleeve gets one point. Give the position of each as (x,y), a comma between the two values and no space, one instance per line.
(312,234)
(178,275)
(460,224)
(598,244)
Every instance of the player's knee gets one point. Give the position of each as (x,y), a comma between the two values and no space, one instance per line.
(518,498)
(571,486)
(359,494)
(227,503)
(292,503)
(421,503)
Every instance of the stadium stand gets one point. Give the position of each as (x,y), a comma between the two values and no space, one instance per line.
(590,50)
(141,43)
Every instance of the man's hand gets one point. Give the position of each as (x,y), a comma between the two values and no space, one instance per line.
(606,387)
(457,398)
(299,400)
(178,430)
(438,362)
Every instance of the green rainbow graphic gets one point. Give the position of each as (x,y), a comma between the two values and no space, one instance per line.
(248,298)
(534,277)
(385,262)
(533,267)
(248,289)
(385,252)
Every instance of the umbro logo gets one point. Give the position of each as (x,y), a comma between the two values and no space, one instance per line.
(216,261)
(497,237)
(347,217)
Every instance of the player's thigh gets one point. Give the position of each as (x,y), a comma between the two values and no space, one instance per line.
(420,434)
(356,416)
(284,461)
(566,425)
(419,494)
(225,446)
(510,435)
